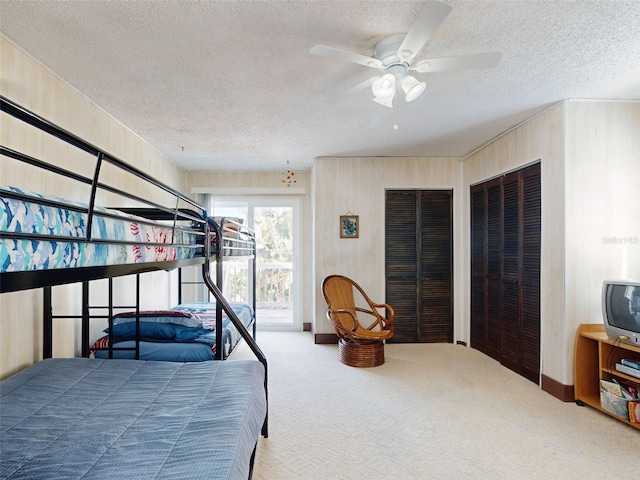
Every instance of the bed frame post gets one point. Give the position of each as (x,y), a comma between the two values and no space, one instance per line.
(219,259)
(137,316)
(254,263)
(47,325)
(85,319)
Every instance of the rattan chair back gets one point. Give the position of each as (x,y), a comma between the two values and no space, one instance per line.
(342,311)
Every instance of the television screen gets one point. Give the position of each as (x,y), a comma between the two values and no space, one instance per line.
(621,305)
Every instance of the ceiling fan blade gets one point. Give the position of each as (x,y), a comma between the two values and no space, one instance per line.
(365,85)
(375,121)
(343,55)
(460,62)
(349,94)
(431,17)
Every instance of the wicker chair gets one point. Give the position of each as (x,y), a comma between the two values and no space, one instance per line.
(358,346)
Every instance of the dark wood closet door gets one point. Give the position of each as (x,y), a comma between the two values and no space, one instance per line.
(401,266)
(419,263)
(531,251)
(486,280)
(436,269)
(511,271)
(505,270)
(478,268)
(494,272)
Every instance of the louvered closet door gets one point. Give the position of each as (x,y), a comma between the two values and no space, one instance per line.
(494,270)
(531,250)
(419,264)
(478,267)
(436,306)
(505,284)
(401,247)
(511,271)
(486,267)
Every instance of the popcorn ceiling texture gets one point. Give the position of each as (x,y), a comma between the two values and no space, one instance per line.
(230,85)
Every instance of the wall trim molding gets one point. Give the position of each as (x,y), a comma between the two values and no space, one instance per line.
(556,389)
(511,129)
(325,338)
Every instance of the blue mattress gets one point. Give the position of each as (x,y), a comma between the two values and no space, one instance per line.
(176,339)
(206,311)
(114,419)
(160,351)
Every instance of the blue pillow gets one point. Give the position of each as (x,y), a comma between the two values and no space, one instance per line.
(189,334)
(160,331)
(187,319)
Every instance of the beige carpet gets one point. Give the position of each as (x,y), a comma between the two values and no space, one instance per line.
(432,411)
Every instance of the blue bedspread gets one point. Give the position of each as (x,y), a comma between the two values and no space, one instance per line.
(117,419)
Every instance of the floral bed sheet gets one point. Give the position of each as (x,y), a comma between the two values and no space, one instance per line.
(70,249)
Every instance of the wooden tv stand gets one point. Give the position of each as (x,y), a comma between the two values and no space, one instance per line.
(595,358)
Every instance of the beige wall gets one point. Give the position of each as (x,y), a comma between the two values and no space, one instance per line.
(602,204)
(31,85)
(590,155)
(357,186)
(539,139)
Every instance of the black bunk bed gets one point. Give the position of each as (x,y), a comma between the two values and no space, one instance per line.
(194,331)
(113,418)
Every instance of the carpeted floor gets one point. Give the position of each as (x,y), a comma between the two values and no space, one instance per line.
(432,411)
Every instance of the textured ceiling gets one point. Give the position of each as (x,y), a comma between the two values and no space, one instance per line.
(230,85)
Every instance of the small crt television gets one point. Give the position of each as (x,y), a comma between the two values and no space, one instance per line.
(621,310)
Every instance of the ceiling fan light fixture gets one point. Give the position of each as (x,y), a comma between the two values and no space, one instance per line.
(412,88)
(385,101)
(384,86)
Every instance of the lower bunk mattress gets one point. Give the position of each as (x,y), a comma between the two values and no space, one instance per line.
(186,333)
(113,419)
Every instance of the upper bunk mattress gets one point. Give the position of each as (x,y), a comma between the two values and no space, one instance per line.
(144,242)
(113,419)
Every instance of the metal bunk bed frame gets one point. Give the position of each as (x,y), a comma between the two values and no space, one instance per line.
(25,280)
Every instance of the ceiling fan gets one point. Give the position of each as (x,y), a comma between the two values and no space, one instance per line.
(396,55)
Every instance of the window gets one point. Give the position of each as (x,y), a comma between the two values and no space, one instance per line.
(276,222)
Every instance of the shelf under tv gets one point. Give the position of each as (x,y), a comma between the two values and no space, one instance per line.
(595,359)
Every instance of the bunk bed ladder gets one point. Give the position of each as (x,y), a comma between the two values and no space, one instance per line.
(110,307)
(48,317)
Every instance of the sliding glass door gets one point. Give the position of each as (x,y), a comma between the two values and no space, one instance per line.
(276,222)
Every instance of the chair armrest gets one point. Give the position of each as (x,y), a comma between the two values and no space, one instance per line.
(356,324)
(390,310)
(384,322)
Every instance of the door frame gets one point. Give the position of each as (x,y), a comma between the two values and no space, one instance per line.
(295,203)
(421,336)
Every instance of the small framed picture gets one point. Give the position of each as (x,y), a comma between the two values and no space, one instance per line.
(349,226)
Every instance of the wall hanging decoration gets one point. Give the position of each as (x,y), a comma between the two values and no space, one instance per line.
(288,177)
(349,226)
